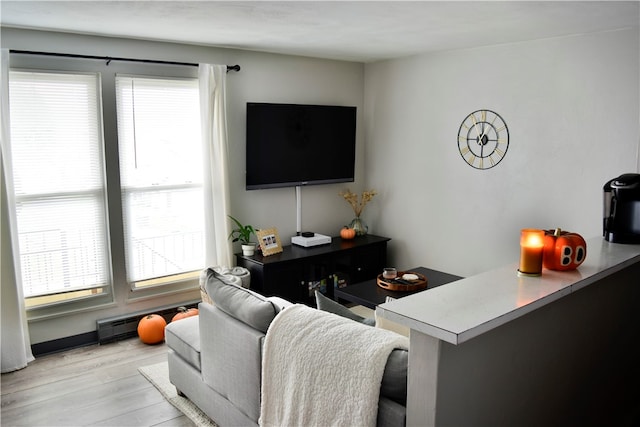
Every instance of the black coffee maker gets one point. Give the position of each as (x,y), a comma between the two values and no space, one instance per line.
(622,209)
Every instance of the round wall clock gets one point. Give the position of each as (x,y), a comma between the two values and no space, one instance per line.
(483,139)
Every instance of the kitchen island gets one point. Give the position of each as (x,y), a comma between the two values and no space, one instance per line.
(499,349)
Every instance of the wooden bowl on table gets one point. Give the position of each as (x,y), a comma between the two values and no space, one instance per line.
(401,284)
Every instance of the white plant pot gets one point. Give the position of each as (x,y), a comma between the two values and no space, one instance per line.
(248,250)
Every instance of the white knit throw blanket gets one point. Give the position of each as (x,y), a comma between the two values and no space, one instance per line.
(319,369)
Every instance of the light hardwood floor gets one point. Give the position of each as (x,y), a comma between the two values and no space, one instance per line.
(89,386)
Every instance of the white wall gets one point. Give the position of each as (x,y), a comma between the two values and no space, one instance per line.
(572,108)
(264,77)
(571,104)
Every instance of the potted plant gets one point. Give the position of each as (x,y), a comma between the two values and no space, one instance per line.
(242,234)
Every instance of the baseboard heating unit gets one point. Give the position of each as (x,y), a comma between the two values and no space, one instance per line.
(126,326)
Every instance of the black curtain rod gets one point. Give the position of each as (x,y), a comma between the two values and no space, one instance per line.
(112,58)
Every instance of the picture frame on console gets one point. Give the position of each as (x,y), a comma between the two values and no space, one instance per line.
(269,240)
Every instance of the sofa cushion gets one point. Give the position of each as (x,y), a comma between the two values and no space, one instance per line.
(327,304)
(240,303)
(183,336)
(394,380)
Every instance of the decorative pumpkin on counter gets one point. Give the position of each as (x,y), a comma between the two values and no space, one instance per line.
(563,250)
(347,233)
(151,329)
(184,312)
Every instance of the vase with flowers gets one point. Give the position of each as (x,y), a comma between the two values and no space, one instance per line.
(358,204)
(243,233)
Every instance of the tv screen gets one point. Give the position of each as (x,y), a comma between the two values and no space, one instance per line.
(292,145)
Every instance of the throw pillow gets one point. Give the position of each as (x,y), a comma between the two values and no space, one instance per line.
(327,304)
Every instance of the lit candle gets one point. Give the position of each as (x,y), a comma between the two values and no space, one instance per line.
(531,245)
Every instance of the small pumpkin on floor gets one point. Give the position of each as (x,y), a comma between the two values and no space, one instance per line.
(151,329)
(184,312)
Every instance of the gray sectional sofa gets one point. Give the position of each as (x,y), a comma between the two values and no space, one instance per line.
(215,359)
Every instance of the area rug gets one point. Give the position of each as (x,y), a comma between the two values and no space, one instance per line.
(158,375)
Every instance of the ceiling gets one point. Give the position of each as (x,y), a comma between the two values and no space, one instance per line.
(362,31)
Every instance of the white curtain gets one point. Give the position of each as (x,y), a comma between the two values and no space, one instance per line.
(16,348)
(213,112)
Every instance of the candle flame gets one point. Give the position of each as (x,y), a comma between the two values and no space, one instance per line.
(532,238)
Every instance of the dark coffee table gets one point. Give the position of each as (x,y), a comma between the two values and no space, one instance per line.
(370,295)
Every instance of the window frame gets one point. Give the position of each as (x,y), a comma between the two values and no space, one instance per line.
(120,291)
(169,279)
(106,296)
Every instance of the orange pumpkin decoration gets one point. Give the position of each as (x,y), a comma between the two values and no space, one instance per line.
(151,329)
(563,250)
(347,233)
(184,312)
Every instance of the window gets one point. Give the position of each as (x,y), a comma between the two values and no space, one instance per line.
(108,175)
(56,139)
(161,176)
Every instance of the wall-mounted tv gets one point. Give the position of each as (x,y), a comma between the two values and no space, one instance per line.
(291,145)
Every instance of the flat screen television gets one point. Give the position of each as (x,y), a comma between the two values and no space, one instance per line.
(290,145)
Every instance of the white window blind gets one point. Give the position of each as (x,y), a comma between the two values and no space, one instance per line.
(56,143)
(160,152)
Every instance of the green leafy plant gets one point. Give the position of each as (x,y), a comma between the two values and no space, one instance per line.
(242,233)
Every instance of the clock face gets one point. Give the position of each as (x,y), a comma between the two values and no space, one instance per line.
(483,139)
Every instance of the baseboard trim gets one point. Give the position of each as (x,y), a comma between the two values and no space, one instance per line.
(95,337)
(66,343)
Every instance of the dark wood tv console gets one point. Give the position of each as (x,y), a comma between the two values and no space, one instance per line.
(296,272)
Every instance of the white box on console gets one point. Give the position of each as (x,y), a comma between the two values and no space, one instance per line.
(307,242)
